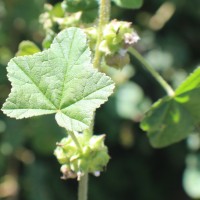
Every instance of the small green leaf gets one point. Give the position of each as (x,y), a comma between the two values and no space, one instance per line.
(188,94)
(172,119)
(57,11)
(191,83)
(131,4)
(167,122)
(27,48)
(59,80)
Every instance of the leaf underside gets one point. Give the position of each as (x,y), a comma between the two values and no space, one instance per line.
(172,119)
(59,80)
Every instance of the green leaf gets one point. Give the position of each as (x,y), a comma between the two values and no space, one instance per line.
(167,122)
(57,11)
(59,80)
(191,83)
(172,119)
(131,4)
(27,48)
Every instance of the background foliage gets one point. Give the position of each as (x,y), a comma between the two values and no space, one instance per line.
(170,43)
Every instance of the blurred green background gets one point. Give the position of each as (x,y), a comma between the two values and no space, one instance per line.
(170,42)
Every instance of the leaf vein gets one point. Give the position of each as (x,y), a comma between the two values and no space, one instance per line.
(34,83)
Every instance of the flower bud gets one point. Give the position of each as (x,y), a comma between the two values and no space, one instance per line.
(117,60)
(67,173)
(130,39)
(92,157)
(116,35)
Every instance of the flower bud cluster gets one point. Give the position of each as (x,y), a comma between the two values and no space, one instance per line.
(67,14)
(117,37)
(55,19)
(92,157)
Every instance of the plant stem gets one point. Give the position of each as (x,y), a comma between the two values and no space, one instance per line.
(73,136)
(104,16)
(154,73)
(83,188)
(83,182)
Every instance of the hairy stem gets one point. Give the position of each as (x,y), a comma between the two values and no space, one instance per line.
(83,183)
(83,187)
(104,15)
(155,74)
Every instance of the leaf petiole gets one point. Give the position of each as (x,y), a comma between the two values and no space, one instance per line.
(154,73)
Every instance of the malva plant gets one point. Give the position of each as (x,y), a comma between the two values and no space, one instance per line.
(68,78)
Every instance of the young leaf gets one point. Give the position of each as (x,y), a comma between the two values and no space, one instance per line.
(131,4)
(27,48)
(167,122)
(188,94)
(59,80)
(173,118)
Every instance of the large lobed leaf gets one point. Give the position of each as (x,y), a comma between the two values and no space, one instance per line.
(173,118)
(59,80)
